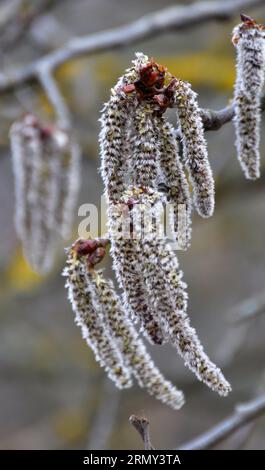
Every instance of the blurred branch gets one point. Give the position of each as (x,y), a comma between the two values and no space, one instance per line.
(55,97)
(19,23)
(142,427)
(9,9)
(106,416)
(172,18)
(244,414)
(248,309)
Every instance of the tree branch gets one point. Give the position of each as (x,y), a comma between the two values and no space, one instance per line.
(244,414)
(172,18)
(214,120)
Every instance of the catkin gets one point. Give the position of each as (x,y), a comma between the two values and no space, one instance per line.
(178,194)
(112,146)
(128,271)
(249,40)
(181,334)
(145,147)
(194,147)
(115,150)
(91,320)
(46,173)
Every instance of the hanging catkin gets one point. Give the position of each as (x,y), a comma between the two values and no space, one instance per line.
(249,41)
(46,173)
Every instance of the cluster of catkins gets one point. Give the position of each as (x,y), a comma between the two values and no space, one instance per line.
(46,170)
(140,152)
(249,40)
(106,325)
(139,145)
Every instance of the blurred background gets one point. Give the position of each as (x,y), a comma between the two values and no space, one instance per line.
(52,393)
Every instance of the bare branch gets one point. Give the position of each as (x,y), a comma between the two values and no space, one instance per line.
(244,414)
(172,18)
(141,425)
(214,120)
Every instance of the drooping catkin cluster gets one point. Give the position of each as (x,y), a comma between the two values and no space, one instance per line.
(106,325)
(139,147)
(148,257)
(249,40)
(140,153)
(46,171)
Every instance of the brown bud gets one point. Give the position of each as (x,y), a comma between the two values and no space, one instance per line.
(246,19)
(96,257)
(85,247)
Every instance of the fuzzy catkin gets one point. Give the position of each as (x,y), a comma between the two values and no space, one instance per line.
(249,40)
(131,346)
(112,146)
(181,334)
(145,147)
(89,317)
(46,171)
(32,210)
(115,150)
(123,249)
(194,147)
(178,194)
(164,279)
(136,296)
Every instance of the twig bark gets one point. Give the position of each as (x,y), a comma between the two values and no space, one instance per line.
(141,425)
(244,414)
(172,18)
(214,120)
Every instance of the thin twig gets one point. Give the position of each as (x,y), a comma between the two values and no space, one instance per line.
(214,120)
(244,414)
(55,97)
(172,18)
(141,425)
